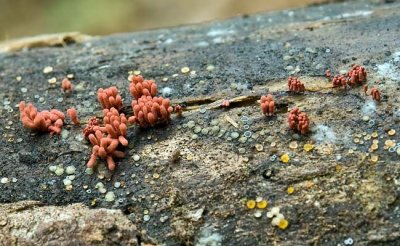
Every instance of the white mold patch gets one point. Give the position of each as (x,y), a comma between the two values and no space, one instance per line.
(209,238)
(369,108)
(324,135)
(390,70)
(166,92)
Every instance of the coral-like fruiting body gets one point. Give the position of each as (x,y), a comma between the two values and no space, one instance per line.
(178,109)
(104,147)
(109,98)
(295,85)
(328,73)
(357,75)
(225,103)
(73,114)
(339,80)
(376,95)
(45,121)
(298,121)
(365,89)
(106,139)
(149,111)
(115,125)
(66,85)
(267,105)
(140,87)
(89,129)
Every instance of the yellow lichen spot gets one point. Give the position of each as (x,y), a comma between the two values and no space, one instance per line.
(392,132)
(374,135)
(338,168)
(308,147)
(251,204)
(374,158)
(283,224)
(290,190)
(262,204)
(356,140)
(285,158)
(374,146)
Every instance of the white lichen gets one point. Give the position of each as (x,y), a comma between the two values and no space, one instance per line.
(324,135)
(209,238)
(219,32)
(166,91)
(390,70)
(369,108)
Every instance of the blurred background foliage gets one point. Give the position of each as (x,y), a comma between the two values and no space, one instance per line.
(20,18)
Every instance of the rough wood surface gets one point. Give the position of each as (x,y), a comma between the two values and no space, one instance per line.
(198,195)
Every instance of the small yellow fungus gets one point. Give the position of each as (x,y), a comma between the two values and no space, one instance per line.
(185,70)
(52,80)
(251,204)
(290,190)
(275,211)
(367,137)
(374,146)
(374,135)
(48,69)
(392,132)
(338,168)
(283,224)
(390,143)
(275,221)
(285,158)
(293,145)
(374,158)
(259,147)
(262,204)
(308,147)
(327,150)
(375,141)
(356,140)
